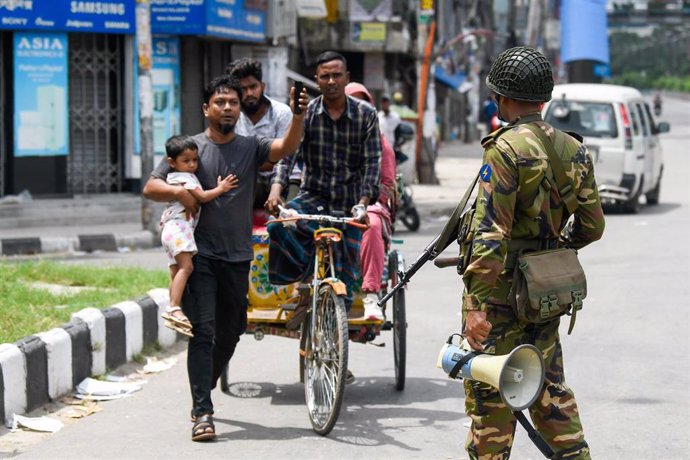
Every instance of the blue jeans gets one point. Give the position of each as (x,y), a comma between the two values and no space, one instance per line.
(215,301)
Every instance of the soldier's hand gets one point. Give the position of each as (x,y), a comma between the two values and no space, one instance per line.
(477,329)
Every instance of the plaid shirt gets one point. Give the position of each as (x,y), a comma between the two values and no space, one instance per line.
(342,158)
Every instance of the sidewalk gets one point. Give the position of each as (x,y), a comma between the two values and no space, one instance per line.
(456,166)
(112,222)
(108,222)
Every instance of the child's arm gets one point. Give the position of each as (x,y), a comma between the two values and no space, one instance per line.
(224,185)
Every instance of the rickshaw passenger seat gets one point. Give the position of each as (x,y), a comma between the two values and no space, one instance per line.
(260,218)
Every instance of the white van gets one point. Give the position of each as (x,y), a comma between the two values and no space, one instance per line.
(621,134)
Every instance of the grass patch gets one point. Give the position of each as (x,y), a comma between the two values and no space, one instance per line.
(26,310)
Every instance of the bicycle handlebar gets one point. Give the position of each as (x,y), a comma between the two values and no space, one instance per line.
(322,219)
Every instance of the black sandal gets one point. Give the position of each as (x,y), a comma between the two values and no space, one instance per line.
(204,429)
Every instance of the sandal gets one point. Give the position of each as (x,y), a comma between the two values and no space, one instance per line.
(204,429)
(176,320)
(182,330)
(176,316)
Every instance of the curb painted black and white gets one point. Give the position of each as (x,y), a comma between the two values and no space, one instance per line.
(43,367)
(81,243)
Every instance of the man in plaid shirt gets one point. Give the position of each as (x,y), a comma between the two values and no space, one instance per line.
(341,152)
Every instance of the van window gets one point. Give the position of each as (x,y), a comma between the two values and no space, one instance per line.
(635,122)
(650,118)
(589,119)
(643,120)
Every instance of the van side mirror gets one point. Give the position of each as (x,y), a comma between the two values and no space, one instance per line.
(663,127)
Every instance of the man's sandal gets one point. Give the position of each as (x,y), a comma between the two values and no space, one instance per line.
(204,429)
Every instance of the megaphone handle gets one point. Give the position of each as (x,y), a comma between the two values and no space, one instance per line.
(534,435)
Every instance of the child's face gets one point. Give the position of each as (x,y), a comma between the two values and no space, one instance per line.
(187,161)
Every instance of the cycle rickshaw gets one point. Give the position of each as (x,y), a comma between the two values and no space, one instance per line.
(327,328)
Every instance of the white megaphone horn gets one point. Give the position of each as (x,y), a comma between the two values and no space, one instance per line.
(518,376)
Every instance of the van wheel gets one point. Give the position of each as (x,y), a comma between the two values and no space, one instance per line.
(653,195)
(632,206)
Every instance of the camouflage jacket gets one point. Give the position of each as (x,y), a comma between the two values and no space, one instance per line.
(518,199)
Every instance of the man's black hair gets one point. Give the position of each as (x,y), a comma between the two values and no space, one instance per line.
(178,144)
(220,84)
(328,56)
(245,67)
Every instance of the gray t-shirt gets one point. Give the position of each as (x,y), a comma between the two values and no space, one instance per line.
(224,230)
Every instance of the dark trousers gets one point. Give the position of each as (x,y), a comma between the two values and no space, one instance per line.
(215,300)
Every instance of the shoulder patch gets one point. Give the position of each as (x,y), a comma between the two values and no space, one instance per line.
(485,172)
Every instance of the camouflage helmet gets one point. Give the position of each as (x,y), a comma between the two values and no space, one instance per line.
(521,73)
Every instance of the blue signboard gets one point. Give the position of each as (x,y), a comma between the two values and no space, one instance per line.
(221,18)
(165,76)
(107,16)
(178,18)
(584,31)
(41,118)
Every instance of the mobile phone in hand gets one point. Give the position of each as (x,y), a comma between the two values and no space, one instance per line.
(295,99)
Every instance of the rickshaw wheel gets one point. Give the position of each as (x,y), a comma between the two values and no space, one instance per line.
(399,322)
(325,360)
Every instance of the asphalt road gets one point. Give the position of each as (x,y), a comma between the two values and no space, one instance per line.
(627,361)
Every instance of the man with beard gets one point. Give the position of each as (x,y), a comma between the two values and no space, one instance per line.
(260,116)
(341,151)
(215,300)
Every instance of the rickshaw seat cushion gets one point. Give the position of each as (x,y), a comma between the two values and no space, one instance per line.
(259,219)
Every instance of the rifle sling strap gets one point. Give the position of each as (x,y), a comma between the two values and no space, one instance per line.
(449,232)
(565,188)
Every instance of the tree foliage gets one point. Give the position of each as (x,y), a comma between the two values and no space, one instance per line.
(660,60)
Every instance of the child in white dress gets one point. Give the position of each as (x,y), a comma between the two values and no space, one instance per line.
(177,234)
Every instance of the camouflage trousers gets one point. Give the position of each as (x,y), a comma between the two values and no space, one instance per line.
(554,413)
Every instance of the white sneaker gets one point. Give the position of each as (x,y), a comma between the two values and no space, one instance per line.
(371,309)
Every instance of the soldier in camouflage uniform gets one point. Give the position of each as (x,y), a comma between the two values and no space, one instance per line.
(518,206)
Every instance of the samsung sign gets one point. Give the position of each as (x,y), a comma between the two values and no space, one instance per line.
(108,16)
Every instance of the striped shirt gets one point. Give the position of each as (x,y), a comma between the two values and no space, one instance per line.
(342,157)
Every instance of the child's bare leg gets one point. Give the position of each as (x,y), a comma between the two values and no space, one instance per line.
(180,273)
(173,272)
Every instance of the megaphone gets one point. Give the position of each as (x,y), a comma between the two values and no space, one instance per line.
(518,376)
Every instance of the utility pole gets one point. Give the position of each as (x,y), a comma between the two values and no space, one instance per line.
(535,23)
(145,59)
(426,34)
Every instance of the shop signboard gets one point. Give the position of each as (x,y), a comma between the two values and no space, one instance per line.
(165,76)
(236,19)
(40,105)
(104,16)
(166,90)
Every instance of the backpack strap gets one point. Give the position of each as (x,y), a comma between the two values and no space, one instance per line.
(565,187)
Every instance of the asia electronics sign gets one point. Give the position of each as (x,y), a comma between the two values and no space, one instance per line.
(40,77)
(105,16)
(236,19)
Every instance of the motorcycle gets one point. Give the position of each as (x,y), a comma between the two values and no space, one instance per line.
(657,105)
(406,211)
